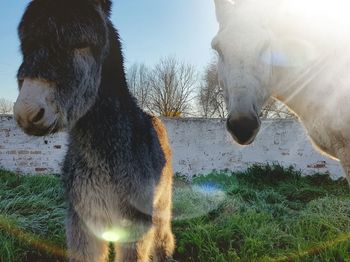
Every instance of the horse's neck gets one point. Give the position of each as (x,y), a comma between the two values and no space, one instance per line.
(304,89)
(301,85)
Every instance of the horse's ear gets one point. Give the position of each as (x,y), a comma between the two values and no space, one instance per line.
(289,52)
(223,10)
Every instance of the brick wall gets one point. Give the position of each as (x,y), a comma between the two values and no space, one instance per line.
(199,146)
(24,154)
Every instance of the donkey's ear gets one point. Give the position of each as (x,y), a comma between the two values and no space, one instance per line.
(105,4)
(223,10)
(289,52)
(101,2)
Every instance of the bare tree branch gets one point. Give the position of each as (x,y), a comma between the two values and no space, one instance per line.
(6,106)
(211,99)
(172,85)
(139,83)
(275,109)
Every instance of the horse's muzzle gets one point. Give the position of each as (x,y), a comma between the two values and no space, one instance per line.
(243,129)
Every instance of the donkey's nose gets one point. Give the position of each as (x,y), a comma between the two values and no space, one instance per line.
(28,115)
(30,118)
(243,129)
(38,116)
(35,110)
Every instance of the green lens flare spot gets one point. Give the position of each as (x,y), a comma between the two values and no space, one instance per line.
(111,236)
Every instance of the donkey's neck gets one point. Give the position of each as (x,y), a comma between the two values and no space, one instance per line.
(113,85)
(113,81)
(114,101)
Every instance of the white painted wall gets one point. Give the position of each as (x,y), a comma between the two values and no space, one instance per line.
(199,146)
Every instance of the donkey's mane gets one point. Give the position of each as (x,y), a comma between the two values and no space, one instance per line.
(116,108)
(113,71)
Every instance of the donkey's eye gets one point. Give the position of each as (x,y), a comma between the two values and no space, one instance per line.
(81,46)
(82,51)
(86,48)
(20,81)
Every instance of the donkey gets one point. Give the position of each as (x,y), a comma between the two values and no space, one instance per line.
(294,51)
(117,173)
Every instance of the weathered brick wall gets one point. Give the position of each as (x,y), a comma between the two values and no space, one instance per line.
(199,146)
(24,154)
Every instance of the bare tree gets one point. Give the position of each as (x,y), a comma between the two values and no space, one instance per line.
(172,86)
(138,77)
(211,99)
(275,109)
(6,106)
(212,104)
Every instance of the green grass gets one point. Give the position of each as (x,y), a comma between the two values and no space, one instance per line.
(264,214)
(32,214)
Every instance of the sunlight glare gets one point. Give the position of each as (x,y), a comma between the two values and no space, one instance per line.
(322,11)
(111,236)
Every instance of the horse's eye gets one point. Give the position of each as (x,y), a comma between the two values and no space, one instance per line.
(219,52)
(215,43)
(216,47)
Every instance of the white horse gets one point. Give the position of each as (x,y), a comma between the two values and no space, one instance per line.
(297,51)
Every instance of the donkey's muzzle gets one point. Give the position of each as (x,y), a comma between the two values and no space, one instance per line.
(32,122)
(243,129)
(33,111)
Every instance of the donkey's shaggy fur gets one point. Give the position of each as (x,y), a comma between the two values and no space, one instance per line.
(117,172)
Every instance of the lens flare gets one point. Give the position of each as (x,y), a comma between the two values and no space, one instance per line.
(35,241)
(208,188)
(111,236)
(313,250)
(117,234)
(200,199)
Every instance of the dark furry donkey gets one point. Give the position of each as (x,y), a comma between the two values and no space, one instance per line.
(117,172)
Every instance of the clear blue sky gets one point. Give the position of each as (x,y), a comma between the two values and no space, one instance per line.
(150,29)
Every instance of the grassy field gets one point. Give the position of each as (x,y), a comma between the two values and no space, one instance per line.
(264,214)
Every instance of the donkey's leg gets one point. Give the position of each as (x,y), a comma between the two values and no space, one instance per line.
(343,155)
(164,240)
(83,246)
(140,251)
(131,253)
(164,244)
(126,252)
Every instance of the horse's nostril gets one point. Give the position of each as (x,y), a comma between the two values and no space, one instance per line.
(243,129)
(38,116)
